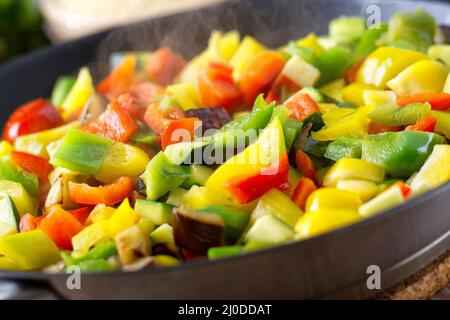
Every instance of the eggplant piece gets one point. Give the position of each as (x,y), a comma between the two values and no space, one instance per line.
(212,118)
(197,231)
(95,106)
(132,244)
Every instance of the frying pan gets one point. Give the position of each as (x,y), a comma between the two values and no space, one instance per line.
(399,241)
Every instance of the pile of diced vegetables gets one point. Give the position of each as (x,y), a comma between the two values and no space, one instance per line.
(348,126)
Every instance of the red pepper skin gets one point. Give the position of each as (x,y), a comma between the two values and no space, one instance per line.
(188,124)
(350,73)
(281,83)
(27,223)
(81,214)
(34,116)
(165,65)
(217,88)
(157,119)
(60,226)
(426,124)
(375,128)
(302,106)
(247,189)
(120,79)
(31,163)
(110,194)
(305,165)
(404,188)
(259,75)
(437,100)
(115,123)
(304,188)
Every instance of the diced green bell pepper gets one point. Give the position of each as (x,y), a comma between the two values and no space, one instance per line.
(332,64)
(9,171)
(415,28)
(368,41)
(400,153)
(305,53)
(344,147)
(235,221)
(97,265)
(393,115)
(291,130)
(316,120)
(101,251)
(61,89)
(215,253)
(29,250)
(162,176)
(81,152)
(23,202)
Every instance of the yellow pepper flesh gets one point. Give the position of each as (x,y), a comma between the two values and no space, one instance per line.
(332,198)
(79,94)
(123,218)
(354,92)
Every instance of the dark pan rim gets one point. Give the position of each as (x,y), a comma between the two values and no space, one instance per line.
(200,263)
(401,209)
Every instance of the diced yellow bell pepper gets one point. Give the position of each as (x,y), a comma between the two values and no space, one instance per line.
(354,92)
(332,198)
(365,189)
(336,115)
(277,203)
(89,237)
(248,48)
(385,63)
(6,264)
(29,250)
(264,152)
(100,212)
(422,76)
(24,203)
(186,95)
(389,198)
(79,94)
(122,160)
(229,43)
(327,107)
(440,51)
(353,169)
(434,172)
(162,260)
(5,148)
(378,97)
(324,220)
(311,41)
(334,89)
(123,218)
(36,143)
(354,124)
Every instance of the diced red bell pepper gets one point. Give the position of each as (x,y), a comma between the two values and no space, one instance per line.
(426,124)
(404,188)
(31,163)
(27,223)
(350,73)
(120,79)
(304,188)
(34,116)
(437,100)
(157,119)
(115,123)
(189,255)
(165,65)
(81,214)
(281,89)
(180,130)
(60,226)
(302,106)
(217,88)
(375,128)
(259,75)
(305,165)
(84,194)
(246,189)
(138,98)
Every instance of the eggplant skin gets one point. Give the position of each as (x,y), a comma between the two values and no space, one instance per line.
(212,117)
(195,233)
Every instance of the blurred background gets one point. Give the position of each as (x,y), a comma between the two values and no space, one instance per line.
(26,25)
